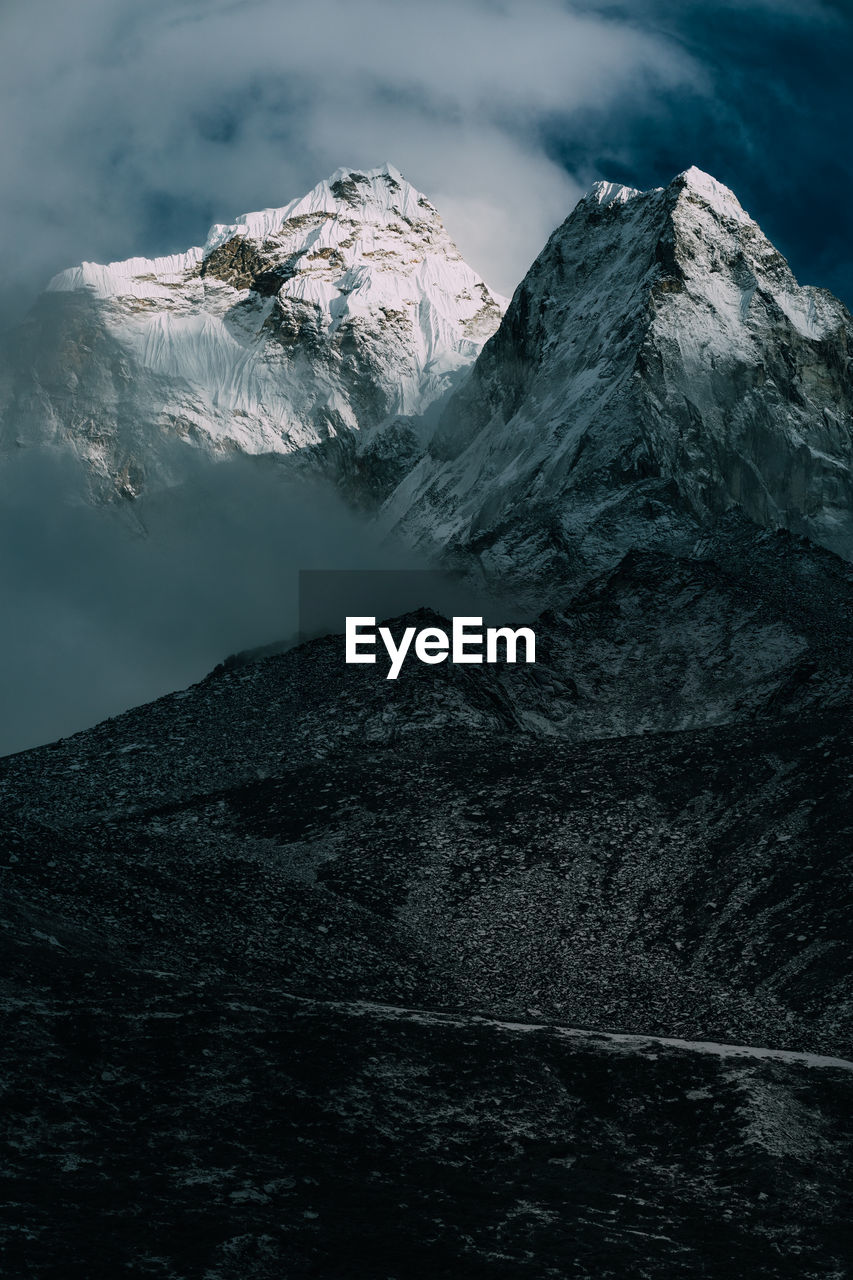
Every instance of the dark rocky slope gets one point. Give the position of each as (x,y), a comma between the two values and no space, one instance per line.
(177,1132)
(200,896)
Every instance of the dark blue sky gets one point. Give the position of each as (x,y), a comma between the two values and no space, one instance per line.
(778,128)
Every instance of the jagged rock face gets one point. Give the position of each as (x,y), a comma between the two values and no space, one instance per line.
(658,366)
(336,312)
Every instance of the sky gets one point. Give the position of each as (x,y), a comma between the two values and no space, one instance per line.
(129,129)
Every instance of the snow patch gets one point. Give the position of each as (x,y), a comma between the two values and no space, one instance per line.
(723,201)
(605,193)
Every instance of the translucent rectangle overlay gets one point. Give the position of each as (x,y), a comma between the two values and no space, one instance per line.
(327,597)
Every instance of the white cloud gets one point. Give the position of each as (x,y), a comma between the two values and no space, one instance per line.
(220,108)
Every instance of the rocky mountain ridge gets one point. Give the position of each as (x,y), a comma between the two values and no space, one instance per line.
(658,366)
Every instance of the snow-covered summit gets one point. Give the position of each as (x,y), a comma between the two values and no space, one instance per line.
(384,189)
(379,203)
(337,311)
(658,366)
(692,182)
(605,193)
(723,201)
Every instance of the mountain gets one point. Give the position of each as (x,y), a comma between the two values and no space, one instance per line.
(331,975)
(495,971)
(658,366)
(337,312)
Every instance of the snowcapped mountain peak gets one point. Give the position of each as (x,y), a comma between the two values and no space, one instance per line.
(364,202)
(694,182)
(339,311)
(658,366)
(377,195)
(605,193)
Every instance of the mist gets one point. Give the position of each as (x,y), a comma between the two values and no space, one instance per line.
(133,128)
(105,607)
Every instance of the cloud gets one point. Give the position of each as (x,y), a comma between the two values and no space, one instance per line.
(130,127)
(107,607)
(98,618)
